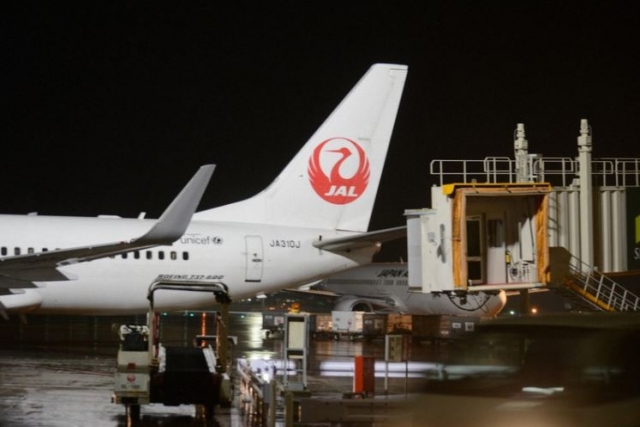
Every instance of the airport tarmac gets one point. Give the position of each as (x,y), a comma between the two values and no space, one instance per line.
(49,383)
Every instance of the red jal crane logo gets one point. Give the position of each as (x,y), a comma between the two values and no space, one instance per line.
(348,176)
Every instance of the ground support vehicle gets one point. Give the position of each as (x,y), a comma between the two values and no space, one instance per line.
(149,372)
(273,323)
(356,325)
(432,327)
(321,326)
(437,328)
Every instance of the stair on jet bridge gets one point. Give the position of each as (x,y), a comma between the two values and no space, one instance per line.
(595,291)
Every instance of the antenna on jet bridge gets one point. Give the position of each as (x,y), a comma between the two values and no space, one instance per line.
(521,146)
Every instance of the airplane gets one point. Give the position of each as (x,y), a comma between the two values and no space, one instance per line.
(311,221)
(21,271)
(384,287)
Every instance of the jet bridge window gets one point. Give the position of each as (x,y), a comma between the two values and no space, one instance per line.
(475,255)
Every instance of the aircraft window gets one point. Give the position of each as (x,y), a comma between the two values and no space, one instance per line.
(185,256)
(402,283)
(4,250)
(16,251)
(136,254)
(30,250)
(45,250)
(161,254)
(149,255)
(174,255)
(388,282)
(124,255)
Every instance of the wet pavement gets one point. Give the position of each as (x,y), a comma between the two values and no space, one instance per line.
(51,388)
(56,384)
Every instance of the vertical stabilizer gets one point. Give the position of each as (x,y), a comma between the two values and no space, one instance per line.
(333,180)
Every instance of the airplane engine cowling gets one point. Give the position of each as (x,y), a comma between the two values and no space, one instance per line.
(353,304)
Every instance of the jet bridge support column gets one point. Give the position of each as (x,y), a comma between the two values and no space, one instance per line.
(521,148)
(586,194)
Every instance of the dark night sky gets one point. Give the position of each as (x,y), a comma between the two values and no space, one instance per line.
(109,109)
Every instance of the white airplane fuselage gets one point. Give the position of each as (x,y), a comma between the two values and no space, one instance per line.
(251,258)
(310,222)
(385,286)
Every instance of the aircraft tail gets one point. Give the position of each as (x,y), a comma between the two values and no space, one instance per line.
(333,180)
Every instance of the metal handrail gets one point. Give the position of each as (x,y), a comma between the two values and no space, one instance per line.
(216,287)
(619,172)
(600,289)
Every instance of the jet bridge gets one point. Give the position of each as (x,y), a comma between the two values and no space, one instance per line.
(531,221)
(480,237)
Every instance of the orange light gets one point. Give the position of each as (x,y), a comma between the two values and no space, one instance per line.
(203,324)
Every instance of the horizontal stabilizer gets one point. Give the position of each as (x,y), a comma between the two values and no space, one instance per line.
(362,240)
(21,271)
(175,219)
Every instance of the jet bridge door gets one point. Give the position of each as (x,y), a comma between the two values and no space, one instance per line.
(475,249)
(497,232)
(486,250)
(254,257)
(496,248)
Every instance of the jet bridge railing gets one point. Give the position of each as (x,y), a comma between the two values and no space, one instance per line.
(627,171)
(489,170)
(599,289)
(558,171)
